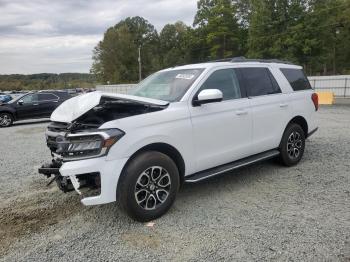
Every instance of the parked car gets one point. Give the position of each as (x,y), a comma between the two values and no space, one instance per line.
(183,124)
(31,105)
(5,98)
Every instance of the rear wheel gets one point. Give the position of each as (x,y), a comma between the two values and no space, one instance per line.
(292,145)
(148,186)
(6,119)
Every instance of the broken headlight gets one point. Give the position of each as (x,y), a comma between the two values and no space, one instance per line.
(87,144)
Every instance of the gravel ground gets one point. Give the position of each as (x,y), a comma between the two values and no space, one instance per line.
(258,213)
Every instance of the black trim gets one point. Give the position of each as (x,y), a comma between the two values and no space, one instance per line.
(312,132)
(211,172)
(197,102)
(242,59)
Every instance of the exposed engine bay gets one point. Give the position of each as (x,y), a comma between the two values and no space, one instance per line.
(82,138)
(111,109)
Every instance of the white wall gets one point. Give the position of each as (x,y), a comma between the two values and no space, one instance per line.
(339,85)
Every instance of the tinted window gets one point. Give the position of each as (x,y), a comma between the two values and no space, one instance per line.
(226,81)
(47,97)
(296,78)
(30,98)
(259,81)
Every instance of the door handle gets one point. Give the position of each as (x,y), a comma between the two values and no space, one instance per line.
(241,112)
(35,104)
(283,105)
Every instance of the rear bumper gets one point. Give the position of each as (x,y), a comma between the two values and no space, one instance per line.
(312,132)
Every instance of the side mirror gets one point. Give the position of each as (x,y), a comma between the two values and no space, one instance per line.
(20,102)
(208,96)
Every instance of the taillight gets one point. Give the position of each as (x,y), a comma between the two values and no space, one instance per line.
(314,98)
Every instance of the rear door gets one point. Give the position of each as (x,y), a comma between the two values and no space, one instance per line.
(47,103)
(269,107)
(221,130)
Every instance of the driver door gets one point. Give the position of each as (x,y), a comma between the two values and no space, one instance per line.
(222,131)
(28,106)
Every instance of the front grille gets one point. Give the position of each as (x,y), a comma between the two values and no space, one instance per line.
(54,130)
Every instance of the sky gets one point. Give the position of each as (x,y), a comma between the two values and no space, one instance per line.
(56,36)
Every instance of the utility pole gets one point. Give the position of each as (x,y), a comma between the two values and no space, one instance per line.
(224,46)
(139,59)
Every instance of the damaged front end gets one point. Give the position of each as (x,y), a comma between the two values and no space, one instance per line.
(67,184)
(68,145)
(75,134)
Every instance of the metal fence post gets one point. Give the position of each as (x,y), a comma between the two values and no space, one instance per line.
(346,81)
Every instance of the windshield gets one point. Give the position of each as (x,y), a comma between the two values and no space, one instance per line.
(167,85)
(16,98)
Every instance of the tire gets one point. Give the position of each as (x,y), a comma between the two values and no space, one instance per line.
(148,186)
(6,119)
(292,145)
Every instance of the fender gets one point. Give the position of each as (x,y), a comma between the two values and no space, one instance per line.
(8,109)
(130,149)
(299,119)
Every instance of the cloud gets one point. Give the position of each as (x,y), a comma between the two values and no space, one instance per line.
(59,36)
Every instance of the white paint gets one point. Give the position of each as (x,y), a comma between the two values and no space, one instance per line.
(73,108)
(205,136)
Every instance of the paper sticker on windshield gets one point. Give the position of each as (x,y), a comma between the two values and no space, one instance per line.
(184,76)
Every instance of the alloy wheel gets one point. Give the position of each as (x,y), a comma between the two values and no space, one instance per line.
(294,145)
(5,120)
(152,187)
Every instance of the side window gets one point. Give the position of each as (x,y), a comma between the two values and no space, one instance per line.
(259,81)
(296,79)
(226,81)
(28,99)
(47,97)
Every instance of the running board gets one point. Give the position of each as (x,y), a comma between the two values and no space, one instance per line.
(196,177)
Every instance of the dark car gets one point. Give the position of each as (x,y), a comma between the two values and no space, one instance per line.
(31,105)
(5,98)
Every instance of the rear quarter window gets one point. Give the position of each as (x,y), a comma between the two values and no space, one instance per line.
(296,78)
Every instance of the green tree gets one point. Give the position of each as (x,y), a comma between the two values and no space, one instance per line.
(116,56)
(216,20)
(175,44)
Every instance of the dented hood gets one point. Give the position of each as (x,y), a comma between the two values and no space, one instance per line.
(75,107)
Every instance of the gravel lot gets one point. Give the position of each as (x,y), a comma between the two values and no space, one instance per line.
(259,213)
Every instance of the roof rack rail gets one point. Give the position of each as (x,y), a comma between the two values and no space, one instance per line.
(221,60)
(242,59)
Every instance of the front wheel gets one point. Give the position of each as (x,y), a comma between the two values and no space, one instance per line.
(292,145)
(148,186)
(6,119)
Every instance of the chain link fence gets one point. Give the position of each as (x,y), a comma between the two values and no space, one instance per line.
(117,89)
(339,85)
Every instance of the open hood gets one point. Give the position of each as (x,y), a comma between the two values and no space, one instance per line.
(75,107)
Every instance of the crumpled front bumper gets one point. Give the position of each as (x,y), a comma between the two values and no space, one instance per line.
(109,171)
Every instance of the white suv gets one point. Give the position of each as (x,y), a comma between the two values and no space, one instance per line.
(182,124)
